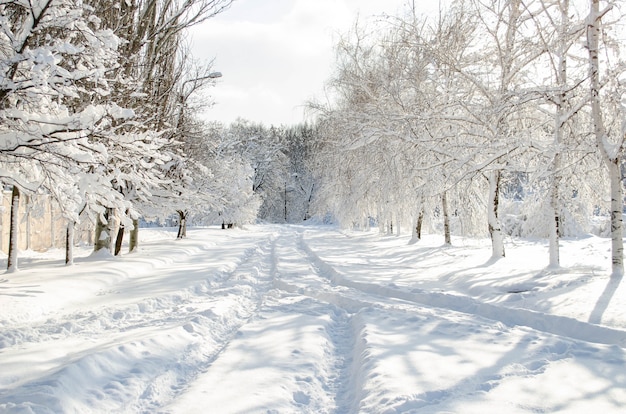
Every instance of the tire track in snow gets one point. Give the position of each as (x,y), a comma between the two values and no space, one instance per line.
(341,381)
(256,275)
(161,310)
(552,324)
(116,317)
(164,342)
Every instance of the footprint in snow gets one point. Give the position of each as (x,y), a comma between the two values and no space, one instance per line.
(301,398)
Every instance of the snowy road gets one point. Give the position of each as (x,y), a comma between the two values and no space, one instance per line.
(288,319)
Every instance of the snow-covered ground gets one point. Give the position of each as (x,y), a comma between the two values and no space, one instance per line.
(310,319)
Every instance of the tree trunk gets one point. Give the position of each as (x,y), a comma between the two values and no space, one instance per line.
(102,237)
(28,231)
(446,219)
(182,224)
(617,241)
(554,231)
(416,231)
(119,239)
(133,242)
(560,115)
(69,244)
(14,230)
(380,221)
(609,155)
(555,211)
(555,225)
(418,226)
(285,201)
(495,229)
(308,205)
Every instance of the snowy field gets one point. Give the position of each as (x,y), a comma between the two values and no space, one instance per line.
(306,319)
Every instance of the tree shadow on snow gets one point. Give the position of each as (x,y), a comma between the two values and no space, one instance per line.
(603,302)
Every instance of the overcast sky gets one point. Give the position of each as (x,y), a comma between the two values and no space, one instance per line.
(276,54)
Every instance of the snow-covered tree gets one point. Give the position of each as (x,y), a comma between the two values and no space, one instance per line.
(238,204)
(606,73)
(560,87)
(157,82)
(301,143)
(51,52)
(87,94)
(399,107)
(264,149)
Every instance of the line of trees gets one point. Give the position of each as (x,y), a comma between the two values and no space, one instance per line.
(279,159)
(495,117)
(493,109)
(96,110)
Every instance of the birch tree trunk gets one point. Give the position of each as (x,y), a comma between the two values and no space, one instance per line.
(69,244)
(416,230)
(555,225)
(617,241)
(610,152)
(446,219)
(555,210)
(560,117)
(14,230)
(495,229)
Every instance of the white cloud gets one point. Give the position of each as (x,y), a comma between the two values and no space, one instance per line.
(275,54)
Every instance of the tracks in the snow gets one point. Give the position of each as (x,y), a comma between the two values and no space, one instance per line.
(295,275)
(164,341)
(551,324)
(324,283)
(235,301)
(271,275)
